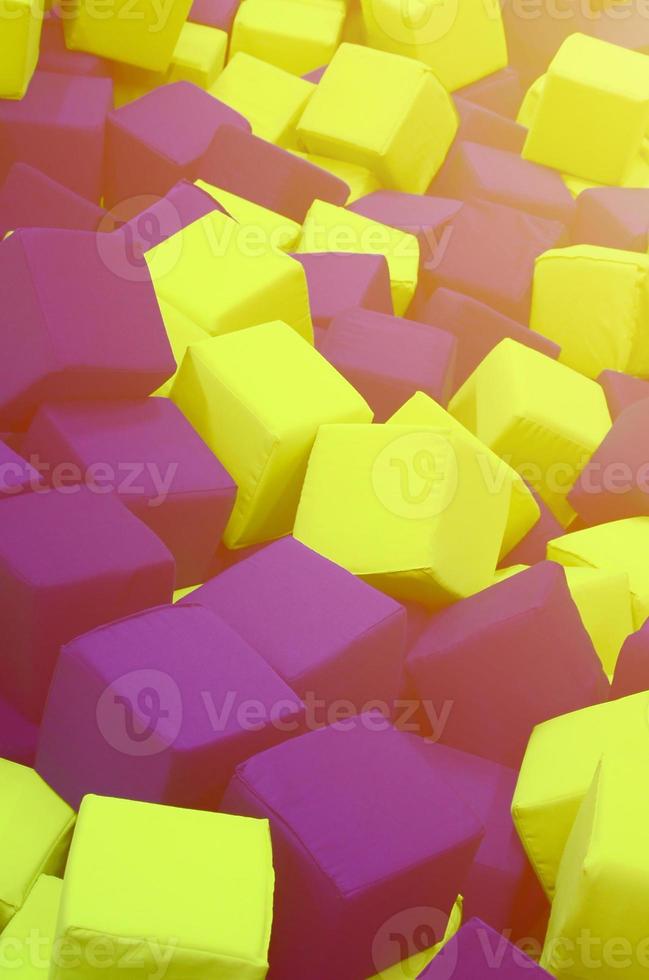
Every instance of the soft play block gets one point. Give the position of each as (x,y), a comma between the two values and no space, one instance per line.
(19,40)
(382,111)
(328,635)
(460,43)
(291,34)
(56,57)
(18,735)
(533,41)
(19,956)
(474,952)
(632,668)
(68,561)
(16,474)
(182,332)
(401,506)
(477,327)
(157,140)
(496,473)
(185,660)
(164,473)
(257,397)
(603,598)
(491,253)
(205,910)
(70,328)
(259,226)
(549,441)
(31,199)
(480,125)
(360,180)
(594,303)
(344,864)
(36,831)
(250,280)
(473,170)
(387,359)
(617,546)
(328,228)
(199,55)
(591,86)
(214,13)
(532,547)
(270,98)
(559,765)
(500,92)
(340,281)
(253,168)
(145,37)
(516,653)
(615,217)
(622,390)
(58,127)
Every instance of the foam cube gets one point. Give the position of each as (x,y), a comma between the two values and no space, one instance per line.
(214,13)
(59,127)
(473,952)
(400,506)
(340,281)
(206,906)
(461,44)
(251,281)
(37,918)
(280,233)
(18,735)
(199,55)
(31,199)
(16,474)
(182,333)
(270,98)
(146,40)
(328,228)
(384,112)
(345,865)
(69,561)
(632,668)
(56,57)
(532,547)
(157,140)
(36,830)
(532,42)
(589,87)
(291,34)
(603,598)
(500,92)
(328,635)
(21,34)
(505,403)
(622,390)
(71,328)
(275,391)
(186,661)
(614,217)
(480,125)
(166,475)
(594,303)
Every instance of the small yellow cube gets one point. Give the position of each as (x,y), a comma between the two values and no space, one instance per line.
(20,36)
(199,55)
(296,36)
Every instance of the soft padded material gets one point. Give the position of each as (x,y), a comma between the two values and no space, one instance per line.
(473,953)
(622,390)
(31,199)
(214,13)
(481,125)
(18,735)
(296,37)
(276,231)
(341,281)
(360,180)
(36,920)
(632,668)
(615,217)
(19,46)
(16,474)
(500,92)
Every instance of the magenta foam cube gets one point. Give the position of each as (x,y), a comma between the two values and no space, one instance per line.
(18,735)
(481,125)
(614,217)
(68,561)
(507,659)
(632,667)
(70,328)
(501,92)
(478,952)
(59,127)
(329,635)
(622,390)
(31,199)
(246,165)
(339,281)
(477,327)
(214,13)
(16,475)
(167,703)
(157,464)
(363,828)
(56,57)
(387,358)
(158,139)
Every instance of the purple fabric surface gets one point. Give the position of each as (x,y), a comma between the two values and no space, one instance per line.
(16,475)
(615,217)
(18,735)
(632,668)
(482,125)
(214,13)
(533,547)
(31,199)
(477,952)
(339,281)
(622,390)
(501,92)
(56,57)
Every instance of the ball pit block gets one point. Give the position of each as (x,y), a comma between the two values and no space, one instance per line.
(31,199)
(613,217)
(622,390)
(472,953)
(340,281)
(19,48)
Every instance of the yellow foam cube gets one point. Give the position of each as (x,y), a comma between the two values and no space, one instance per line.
(181,333)
(21,958)
(328,228)
(462,42)
(296,36)
(20,38)
(360,180)
(524,511)
(145,37)
(620,546)
(257,398)
(199,55)
(280,232)
(225,276)
(530,104)
(545,419)
(404,508)
(35,828)
(271,99)
(384,112)
(591,88)
(559,765)
(594,303)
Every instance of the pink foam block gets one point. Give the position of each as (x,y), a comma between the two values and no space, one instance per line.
(500,92)
(16,475)
(533,548)
(615,217)
(482,125)
(159,138)
(59,127)
(214,13)
(31,199)
(622,390)
(54,56)
(339,281)
(243,164)
(387,359)
(632,668)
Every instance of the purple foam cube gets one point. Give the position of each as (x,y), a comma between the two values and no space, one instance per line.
(166,704)
(614,217)
(478,952)
(339,281)
(16,475)
(362,828)
(56,57)
(71,328)
(68,562)
(158,139)
(481,125)
(501,92)
(387,359)
(534,546)
(18,735)
(31,199)
(160,468)
(214,13)
(329,635)
(59,128)
(622,390)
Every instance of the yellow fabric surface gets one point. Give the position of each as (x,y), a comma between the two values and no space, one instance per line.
(296,36)
(20,37)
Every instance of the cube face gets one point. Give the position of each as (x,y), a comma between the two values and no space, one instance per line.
(470,954)
(20,42)
(613,217)
(621,391)
(296,38)
(37,917)
(632,668)
(604,601)
(340,281)
(29,198)
(209,903)
(199,55)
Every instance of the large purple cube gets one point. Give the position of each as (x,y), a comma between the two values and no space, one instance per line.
(31,199)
